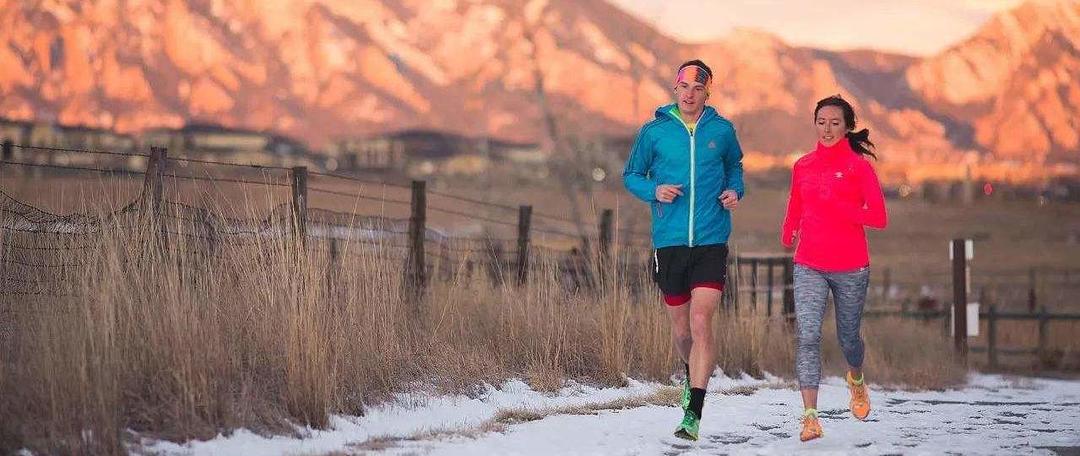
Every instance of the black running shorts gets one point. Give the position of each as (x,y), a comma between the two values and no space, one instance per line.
(679,269)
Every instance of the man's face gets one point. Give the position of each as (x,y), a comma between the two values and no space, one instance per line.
(691,97)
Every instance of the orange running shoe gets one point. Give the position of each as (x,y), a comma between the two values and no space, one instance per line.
(811,427)
(860,397)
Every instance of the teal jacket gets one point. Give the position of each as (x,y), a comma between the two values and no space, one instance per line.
(706,162)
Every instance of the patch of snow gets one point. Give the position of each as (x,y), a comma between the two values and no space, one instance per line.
(990,415)
(414,413)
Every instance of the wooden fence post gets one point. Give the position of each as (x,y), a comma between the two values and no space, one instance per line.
(208,233)
(3,255)
(524,221)
(152,181)
(8,150)
(299,176)
(991,337)
(333,269)
(769,295)
(789,287)
(415,277)
(1032,303)
(1044,337)
(733,282)
(153,192)
(959,278)
(606,235)
(753,284)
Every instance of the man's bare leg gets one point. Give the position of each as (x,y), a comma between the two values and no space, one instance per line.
(703,304)
(680,330)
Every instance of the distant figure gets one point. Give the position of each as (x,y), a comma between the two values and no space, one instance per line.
(927,301)
(687,164)
(834,194)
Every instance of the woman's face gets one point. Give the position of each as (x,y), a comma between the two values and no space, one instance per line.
(830,125)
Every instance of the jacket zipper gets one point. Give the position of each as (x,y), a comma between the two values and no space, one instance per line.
(690,235)
(693,179)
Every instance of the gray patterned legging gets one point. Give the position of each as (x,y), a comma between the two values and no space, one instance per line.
(849,295)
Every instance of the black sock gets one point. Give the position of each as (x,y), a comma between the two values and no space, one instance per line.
(697,400)
(687,366)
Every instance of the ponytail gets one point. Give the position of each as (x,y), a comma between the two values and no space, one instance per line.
(860,142)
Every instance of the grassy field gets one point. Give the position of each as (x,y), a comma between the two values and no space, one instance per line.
(1011,237)
(181,343)
(179,348)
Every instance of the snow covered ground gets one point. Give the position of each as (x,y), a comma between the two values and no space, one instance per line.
(991,415)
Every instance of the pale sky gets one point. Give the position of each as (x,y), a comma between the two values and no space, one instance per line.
(916,27)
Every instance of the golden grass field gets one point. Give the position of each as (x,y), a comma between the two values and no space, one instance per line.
(178,344)
(1011,237)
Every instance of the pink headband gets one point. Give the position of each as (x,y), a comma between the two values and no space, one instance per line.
(694,73)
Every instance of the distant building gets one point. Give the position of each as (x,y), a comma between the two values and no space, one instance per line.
(79,137)
(235,145)
(16,131)
(418,152)
(432,145)
(517,152)
(369,154)
(25,136)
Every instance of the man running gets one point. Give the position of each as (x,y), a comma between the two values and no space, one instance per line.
(687,164)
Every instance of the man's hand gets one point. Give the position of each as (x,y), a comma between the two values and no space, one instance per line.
(666,193)
(729,199)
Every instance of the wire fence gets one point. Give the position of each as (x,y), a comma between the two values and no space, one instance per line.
(78,151)
(41,246)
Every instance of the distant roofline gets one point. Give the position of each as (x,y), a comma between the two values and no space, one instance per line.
(202,127)
(70,127)
(390,134)
(16,121)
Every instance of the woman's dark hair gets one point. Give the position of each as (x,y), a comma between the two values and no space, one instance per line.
(699,63)
(859,140)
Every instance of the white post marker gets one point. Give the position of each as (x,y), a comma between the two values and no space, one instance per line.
(972,320)
(972,311)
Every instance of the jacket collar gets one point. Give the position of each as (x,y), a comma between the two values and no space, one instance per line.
(670,111)
(842,148)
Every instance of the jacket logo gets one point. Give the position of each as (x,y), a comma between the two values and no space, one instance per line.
(839,175)
(712,144)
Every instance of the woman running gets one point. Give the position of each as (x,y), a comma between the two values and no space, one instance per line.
(834,194)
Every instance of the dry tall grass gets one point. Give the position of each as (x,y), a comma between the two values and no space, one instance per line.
(183,342)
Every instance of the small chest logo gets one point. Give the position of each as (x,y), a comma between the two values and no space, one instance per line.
(839,175)
(712,144)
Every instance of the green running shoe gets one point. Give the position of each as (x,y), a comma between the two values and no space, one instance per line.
(685,403)
(688,429)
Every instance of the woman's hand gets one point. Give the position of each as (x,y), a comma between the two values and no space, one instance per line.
(788,240)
